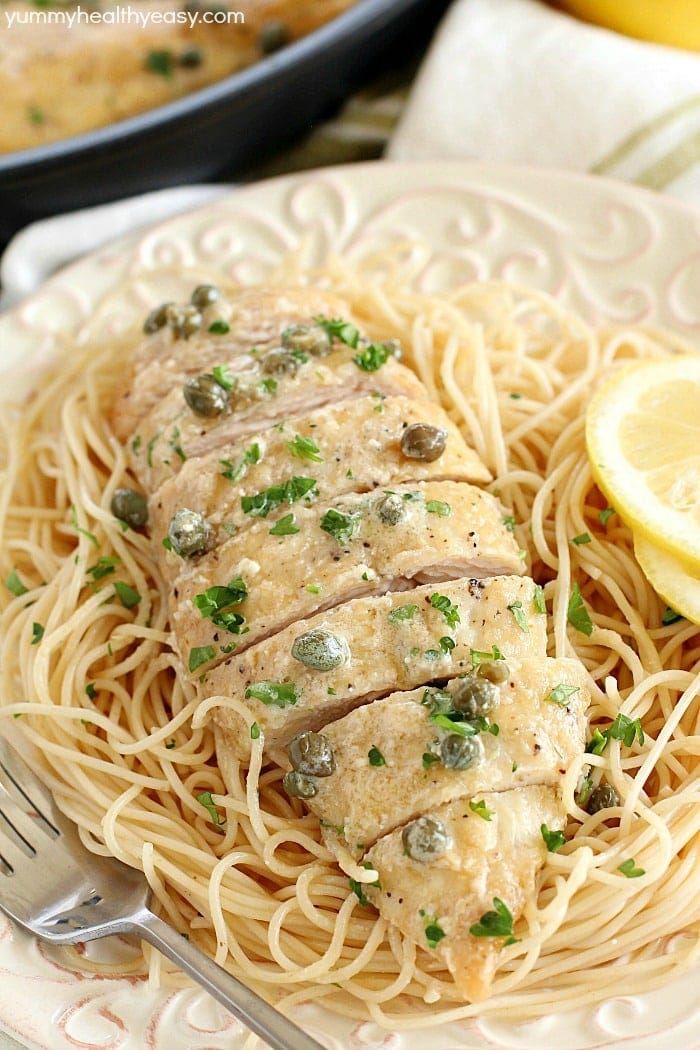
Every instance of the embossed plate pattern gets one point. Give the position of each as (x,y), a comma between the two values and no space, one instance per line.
(609,251)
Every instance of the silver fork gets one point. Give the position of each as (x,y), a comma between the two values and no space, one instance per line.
(53,887)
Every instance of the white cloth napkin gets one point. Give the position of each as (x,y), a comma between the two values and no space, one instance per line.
(517,81)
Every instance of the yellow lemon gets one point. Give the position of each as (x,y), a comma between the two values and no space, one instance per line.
(678,587)
(675,22)
(643,439)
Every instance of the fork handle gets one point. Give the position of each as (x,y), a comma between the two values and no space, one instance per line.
(257,1015)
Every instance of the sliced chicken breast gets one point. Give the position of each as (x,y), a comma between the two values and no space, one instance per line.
(172,432)
(354,446)
(253,319)
(463,902)
(404,628)
(405,755)
(359,545)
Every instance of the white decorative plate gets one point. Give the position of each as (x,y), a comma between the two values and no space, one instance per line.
(609,251)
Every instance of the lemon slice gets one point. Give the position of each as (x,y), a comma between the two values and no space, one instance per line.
(678,587)
(643,439)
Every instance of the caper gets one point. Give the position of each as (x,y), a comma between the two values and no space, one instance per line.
(460,752)
(426,838)
(474,696)
(183,320)
(604,796)
(204,294)
(279,362)
(190,58)
(298,786)
(309,338)
(130,506)
(321,650)
(157,318)
(495,671)
(312,754)
(205,396)
(273,36)
(423,441)
(189,532)
(391,509)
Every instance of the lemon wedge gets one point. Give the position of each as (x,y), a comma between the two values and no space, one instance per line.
(678,587)
(643,440)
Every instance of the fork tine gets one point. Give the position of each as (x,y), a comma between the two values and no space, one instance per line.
(20,786)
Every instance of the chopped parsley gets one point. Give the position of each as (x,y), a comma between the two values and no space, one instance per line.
(553,840)
(435,506)
(219,328)
(509,522)
(623,728)
(538,599)
(15,585)
(304,448)
(83,532)
(449,611)
(175,444)
(444,715)
(149,449)
(583,537)
(313,588)
(160,61)
(434,932)
(584,792)
(343,527)
(496,923)
(341,330)
(204,798)
(222,373)
(376,758)
(267,386)
(170,744)
(127,595)
(216,602)
(670,616)
(430,759)
(481,809)
(260,505)
(561,694)
(104,566)
(235,471)
(577,613)
(255,731)
(358,888)
(286,526)
(136,444)
(200,654)
(446,644)
(630,870)
(479,656)
(273,694)
(605,515)
(519,615)
(402,613)
(90,690)
(37,633)
(373,357)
